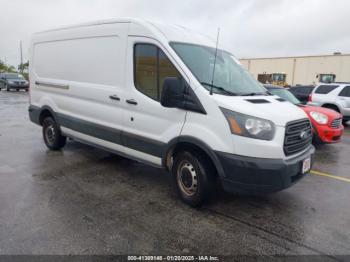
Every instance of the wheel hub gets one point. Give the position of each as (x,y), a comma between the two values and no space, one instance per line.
(50,133)
(187,178)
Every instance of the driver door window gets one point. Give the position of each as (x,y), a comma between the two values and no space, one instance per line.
(151,67)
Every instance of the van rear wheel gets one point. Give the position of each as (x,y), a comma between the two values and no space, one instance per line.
(193,177)
(52,134)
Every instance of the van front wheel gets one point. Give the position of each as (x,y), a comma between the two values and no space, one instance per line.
(193,177)
(52,134)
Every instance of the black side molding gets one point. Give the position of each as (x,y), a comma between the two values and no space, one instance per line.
(136,142)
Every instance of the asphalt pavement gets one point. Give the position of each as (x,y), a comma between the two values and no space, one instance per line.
(83,200)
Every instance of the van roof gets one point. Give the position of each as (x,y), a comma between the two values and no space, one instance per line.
(92,23)
(170,32)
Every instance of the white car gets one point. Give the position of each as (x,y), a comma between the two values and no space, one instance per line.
(150,92)
(335,96)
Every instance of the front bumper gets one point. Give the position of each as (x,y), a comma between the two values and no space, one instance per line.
(248,175)
(16,86)
(326,134)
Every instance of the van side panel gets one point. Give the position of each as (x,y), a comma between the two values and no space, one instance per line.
(90,67)
(94,60)
(89,63)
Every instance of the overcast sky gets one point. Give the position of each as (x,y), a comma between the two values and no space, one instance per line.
(249,28)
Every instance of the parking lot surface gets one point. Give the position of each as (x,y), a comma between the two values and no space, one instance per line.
(83,200)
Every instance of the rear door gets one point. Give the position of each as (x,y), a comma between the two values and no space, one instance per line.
(148,126)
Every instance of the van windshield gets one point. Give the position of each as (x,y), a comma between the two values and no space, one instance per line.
(229,76)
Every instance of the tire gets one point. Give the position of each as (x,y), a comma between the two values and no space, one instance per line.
(52,134)
(194,177)
(316,140)
(7,88)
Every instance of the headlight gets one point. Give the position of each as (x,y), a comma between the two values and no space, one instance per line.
(249,126)
(11,82)
(319,117)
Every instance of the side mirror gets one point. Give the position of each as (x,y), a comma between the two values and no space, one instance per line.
(176,93)
(173,93)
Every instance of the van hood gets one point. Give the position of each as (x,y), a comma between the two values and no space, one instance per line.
(272,108)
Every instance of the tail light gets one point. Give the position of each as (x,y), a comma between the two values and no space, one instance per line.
(310,98)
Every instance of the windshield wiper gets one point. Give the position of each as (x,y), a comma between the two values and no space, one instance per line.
(219,88)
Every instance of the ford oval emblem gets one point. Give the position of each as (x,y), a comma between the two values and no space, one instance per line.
(304,135)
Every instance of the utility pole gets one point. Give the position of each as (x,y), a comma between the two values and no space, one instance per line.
(20,48)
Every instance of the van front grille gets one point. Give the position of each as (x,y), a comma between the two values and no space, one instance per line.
(298,136)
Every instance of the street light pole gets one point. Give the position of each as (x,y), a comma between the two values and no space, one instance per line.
(20,48)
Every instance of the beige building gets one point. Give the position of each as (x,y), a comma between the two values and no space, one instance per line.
(301,69)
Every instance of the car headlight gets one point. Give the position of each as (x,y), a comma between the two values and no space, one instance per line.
(319,117)
(11,82)
(249,126)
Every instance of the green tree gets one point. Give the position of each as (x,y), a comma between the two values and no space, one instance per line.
(11,69)
(3,67)
(6,68)
(23,67)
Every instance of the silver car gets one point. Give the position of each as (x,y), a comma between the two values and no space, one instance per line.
(10,81)
(334,95)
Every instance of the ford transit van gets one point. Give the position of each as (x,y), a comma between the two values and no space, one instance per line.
(165,96)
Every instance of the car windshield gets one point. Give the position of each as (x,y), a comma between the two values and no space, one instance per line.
(285,94)
(230,78)
(14,76)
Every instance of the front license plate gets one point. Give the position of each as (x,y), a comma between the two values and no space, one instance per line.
(306,165)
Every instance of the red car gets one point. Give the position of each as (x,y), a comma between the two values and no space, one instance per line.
(326,123)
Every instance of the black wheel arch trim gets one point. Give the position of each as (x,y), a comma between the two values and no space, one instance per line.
(35,113)
(198,143)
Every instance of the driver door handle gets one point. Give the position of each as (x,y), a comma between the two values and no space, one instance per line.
(131,101)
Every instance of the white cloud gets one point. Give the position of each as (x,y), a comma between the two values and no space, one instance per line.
(249,28)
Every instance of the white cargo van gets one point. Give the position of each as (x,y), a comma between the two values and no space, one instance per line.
(145,91)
